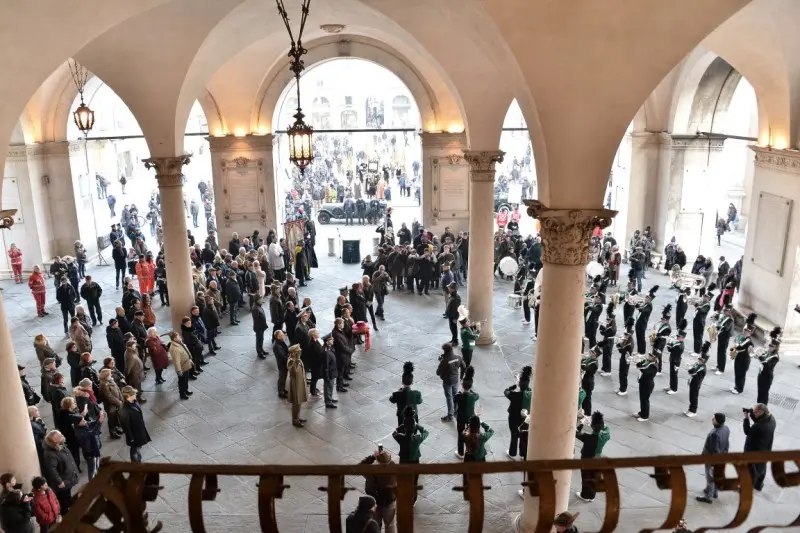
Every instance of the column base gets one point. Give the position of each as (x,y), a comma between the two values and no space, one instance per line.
(486,338)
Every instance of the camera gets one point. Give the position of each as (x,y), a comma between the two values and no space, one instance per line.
(747,410)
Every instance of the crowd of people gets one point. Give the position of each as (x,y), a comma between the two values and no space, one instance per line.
(265,277)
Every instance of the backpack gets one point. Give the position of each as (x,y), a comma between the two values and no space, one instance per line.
(602,439)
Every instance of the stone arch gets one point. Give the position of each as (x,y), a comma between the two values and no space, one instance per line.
(713,96)
(278,79)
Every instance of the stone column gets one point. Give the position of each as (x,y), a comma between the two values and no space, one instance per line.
(648,166)
(565,253)
(17,448)
(176,244)
(481,234)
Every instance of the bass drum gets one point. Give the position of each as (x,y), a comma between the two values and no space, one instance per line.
(508,266)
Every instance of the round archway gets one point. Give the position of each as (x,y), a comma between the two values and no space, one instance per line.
(110,173)
(515,179)
(366,144)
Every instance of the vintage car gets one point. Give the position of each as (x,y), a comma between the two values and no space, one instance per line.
(334,211)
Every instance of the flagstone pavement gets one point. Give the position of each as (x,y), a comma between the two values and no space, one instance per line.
(235,417)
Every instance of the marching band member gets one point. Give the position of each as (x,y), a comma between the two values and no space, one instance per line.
(628,307)
(589,369)
(682,305)
(768,361)
(724,330)
(406,396)
(642,317)
(675,348)
(519,398)
(625,347)
(647,377)
(740,353)
(699,321)
(465,401)
(591,317)
(697,373)
(662,333)
(608,331)
(528,297)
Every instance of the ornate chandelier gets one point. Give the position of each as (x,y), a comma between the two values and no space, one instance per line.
(83,115)
(300,133)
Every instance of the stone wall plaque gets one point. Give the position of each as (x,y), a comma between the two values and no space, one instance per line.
(450,187)
(772,230)
(243,190)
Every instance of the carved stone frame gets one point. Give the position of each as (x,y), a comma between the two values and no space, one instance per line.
(243,165)
(455,161)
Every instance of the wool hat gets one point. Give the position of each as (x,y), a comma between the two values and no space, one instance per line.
(365,503)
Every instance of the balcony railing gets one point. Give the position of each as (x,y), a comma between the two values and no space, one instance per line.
(119,494)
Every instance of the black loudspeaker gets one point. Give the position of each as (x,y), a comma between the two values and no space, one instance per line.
(351,252)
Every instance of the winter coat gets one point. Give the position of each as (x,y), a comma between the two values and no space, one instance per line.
(74,362)
(298,390)
(80,337)
(59,466)
(211,318)
(65,295)
(259,319)
(43,351)
(116,344)
(15,517)
(180,357)
(111,396)
(158,353)
(233,291)
(132,420)
(281,355)
(46,508)
(134,369)
(91,293)
(276,310)
(89,438)
(192,342)
(449,368)
(341,344)
(56,395)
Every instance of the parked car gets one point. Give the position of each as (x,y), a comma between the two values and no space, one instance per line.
(334,211)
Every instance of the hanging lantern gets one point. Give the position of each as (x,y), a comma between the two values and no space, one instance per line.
(84,118)
(301,153)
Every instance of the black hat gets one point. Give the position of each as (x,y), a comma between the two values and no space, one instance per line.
(112,321)
(596,350)
(469,377)
(525,376)
(652,292)
(775,335)
(719,418)
(712,287)
(666,312)
(702,291)
(682,327)
(704,350)
(408,373)
(750,323)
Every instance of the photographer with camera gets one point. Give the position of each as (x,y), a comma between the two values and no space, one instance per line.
(15,512)
(759,436)
(382,488)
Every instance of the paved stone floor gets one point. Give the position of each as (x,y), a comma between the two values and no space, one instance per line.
(236,418)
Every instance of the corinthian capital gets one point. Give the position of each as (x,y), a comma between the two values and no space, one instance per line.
(566,232)
(169,170)
(481,164)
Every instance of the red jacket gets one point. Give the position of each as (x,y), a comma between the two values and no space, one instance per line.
(45,507)
(158,354)
(36,283)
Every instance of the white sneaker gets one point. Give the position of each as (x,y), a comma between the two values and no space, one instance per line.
(605,374)
(734,391)
(455,452)
(640,419)
(658,373)
(526,323)
(578,494)
(666,389)
(670,391)
(511,456)
(690,414)
(521,493)
(718,372)
(621,392)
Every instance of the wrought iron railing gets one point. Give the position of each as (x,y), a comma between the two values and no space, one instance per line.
(119,494)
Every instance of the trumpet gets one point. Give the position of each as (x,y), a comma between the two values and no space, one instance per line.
(635,300)
(688,365)
(652,336)
(732,352)
(758,352)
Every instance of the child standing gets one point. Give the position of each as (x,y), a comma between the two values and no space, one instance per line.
(45,505)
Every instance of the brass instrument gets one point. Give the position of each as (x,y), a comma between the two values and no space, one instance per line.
(732,352)
(759,352)
(653,335)
(688,365)
(694,300)
(636,358)
(712,332)
(635,300)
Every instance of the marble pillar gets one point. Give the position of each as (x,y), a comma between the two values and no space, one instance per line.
(176,244)
(481,235)
(649,163)
(17,447)
(565,252)
(245,189)
(445,182)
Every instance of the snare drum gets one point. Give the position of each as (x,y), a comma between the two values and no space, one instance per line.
(514,301)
